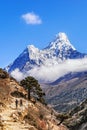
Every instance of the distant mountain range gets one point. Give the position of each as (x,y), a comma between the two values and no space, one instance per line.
(33,61)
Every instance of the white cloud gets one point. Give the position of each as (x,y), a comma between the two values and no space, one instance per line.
(17,74)
(31,18)
(51,73)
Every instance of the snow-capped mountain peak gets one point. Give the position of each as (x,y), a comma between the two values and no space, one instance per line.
(61,42)
(62,36)
(32,50)
(32,61)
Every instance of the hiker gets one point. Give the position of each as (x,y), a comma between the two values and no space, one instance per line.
(16,103)
(21,103)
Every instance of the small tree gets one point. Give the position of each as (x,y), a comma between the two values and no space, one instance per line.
(3,74)
(33,86)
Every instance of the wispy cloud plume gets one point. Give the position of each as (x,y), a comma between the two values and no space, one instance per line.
(31,18)
(51,73)
(17,74)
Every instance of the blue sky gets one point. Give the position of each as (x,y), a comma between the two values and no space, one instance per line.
(24,22)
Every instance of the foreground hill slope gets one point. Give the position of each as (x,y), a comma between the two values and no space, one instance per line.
(29,116)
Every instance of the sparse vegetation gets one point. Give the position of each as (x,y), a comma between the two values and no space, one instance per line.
(3,74)
(77,117)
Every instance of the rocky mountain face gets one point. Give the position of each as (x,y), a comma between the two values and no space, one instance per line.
(29,115)
(66,93)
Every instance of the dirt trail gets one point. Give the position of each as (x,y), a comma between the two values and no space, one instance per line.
(12,117)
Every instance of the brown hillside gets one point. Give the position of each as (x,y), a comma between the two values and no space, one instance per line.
(28,116)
